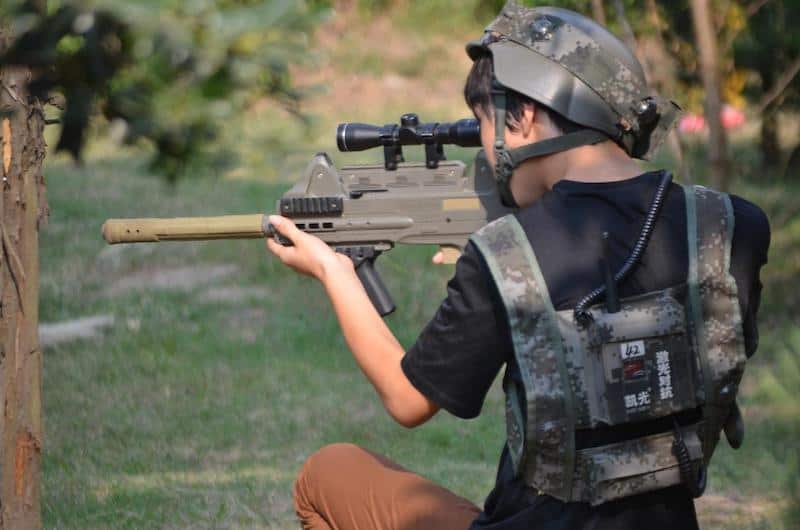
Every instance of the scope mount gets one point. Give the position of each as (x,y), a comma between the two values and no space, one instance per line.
(410,127)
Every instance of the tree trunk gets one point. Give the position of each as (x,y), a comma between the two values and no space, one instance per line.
(21,209)
(706,39)
(627,32)
(599,12)
(661,70)
(770,145)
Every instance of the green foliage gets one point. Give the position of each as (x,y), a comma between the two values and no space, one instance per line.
(169,72)
(768,46)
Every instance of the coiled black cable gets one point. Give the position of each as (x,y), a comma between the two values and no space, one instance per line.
(582,316)
(694,478)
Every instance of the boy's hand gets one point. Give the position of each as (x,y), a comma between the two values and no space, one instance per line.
(446,256)
(309,255)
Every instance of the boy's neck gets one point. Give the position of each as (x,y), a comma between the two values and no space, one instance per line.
(603,162)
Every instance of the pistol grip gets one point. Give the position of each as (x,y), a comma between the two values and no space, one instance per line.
(364,261)
(374,286)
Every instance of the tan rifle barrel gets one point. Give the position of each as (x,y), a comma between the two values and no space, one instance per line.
(184,228)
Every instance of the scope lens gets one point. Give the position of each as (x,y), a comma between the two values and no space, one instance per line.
(357,136)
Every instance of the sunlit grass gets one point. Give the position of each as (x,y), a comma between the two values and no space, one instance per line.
(210,406)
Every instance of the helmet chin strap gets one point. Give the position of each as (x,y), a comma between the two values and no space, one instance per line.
(507,160)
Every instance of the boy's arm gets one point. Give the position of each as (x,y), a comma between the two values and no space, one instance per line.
(375,348)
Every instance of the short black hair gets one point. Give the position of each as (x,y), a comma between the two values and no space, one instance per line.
(478,95)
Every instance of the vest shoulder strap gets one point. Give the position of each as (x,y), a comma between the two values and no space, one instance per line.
(549,401)
(714,305)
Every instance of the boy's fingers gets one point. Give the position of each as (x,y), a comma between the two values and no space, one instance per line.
(274,247)
(285,226)
(279,250)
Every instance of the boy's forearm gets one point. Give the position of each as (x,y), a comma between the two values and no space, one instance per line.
(374,346)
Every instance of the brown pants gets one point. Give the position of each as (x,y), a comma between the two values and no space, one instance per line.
(345,487)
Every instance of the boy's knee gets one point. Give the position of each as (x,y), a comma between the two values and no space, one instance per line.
(322,469)
(329,459)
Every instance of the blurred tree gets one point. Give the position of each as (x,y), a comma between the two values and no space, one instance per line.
(661,67)
(710,72)
(599,11)
(624,25)
(169,73)
(769,47)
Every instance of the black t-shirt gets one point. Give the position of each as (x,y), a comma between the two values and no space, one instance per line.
(460,352)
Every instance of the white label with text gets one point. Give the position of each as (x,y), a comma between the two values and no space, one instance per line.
(631,350)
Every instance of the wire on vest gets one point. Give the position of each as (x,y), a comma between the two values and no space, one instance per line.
(582,316)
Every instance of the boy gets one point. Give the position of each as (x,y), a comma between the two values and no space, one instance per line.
(563,109)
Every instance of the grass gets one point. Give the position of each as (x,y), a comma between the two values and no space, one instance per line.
(197,413)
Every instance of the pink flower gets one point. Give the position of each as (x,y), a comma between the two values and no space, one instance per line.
(692,124)
(731,117)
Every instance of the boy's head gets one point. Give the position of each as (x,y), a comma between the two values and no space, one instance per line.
(583,84)
(478,95)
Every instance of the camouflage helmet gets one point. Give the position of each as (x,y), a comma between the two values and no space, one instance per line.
(577,68)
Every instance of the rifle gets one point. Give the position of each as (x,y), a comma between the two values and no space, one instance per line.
(365,210)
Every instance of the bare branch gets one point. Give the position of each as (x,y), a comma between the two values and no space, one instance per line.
(753,8)
(779,86)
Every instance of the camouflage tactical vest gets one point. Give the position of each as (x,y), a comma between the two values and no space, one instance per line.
(666,352)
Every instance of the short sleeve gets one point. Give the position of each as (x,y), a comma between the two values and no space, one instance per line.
(751,238)
(459,353)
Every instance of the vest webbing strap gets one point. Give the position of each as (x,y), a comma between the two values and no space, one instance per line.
(693,282)
(714,306)
(549,400)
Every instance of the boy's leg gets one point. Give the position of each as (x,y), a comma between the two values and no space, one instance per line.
(345,487)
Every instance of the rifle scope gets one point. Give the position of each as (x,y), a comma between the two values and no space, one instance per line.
(362,136)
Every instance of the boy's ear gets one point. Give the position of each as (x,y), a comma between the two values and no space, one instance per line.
(527,118)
